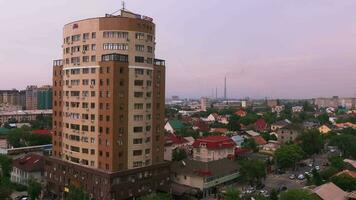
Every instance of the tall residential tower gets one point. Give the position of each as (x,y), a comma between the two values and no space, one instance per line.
(108,109)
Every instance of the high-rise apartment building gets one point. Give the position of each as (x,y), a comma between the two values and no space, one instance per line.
(31,97)
(108,109)
(44,97)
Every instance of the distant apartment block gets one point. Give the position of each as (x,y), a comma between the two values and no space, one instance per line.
(349,103)
(23,115)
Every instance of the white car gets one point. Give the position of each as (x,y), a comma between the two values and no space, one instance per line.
(317,167)
(301,177)
(292,176)
(310,164)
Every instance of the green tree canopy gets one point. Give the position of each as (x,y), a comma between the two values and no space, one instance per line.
(311,142)
(34,189)
(250,143)
(346,143)
(157,196)
(253,171)
(345,182)
(288,155)
(231,194)
(234,124)
(77,194)
(178,155)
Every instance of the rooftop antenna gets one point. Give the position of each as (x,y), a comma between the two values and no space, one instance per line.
(123,5)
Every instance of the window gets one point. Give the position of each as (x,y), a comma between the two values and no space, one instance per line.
(137,141)
(115,46)
(148,106)
(149,60)
(138,82)
(138,106)
(93,58)
(86,47)
(93,70)
(138,117)
(93,47)
(137,152)
(140,36)
(138,129)
(150,38)
(85,36)
(139,71)
(115,34)
(93,35)
(75,38)
(140,47)
(139,59)
(149,83)
(85,82)
(86,151)
(85,58)
(86,71)
(149,49)
(138,94)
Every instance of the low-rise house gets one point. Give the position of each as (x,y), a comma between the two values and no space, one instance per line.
(347,172)
(261,125)
(311,124)
(351,162)
(210,148)
(251,133)
(28,167)
(223,119)
(204,176)
(270,147)
(238,139)
(173,126)
(297,109)
(260,141)
(212,117)
(201,126)
(222,131)
(346,125)
(324,129)
(172,142)
(280,124)
(240,113)
(288,133)
(330,191)
(278,109)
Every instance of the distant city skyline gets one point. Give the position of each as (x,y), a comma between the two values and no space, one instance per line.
(273,48)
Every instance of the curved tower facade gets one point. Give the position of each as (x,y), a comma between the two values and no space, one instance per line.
(109,91)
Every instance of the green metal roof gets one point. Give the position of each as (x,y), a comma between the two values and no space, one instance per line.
(176,124)
(3,131)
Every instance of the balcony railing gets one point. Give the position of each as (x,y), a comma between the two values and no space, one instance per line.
(159,62)
(57,63)
(115,57)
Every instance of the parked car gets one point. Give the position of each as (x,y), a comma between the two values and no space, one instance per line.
(264,193)
(292,176)
(301,177)
(317,167)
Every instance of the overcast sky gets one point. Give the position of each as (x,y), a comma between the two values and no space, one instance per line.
(266,48)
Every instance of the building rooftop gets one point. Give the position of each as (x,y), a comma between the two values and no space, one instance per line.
(214,142)
(175,139)
(29,163)
(330,191)
(26,112)
(205,169)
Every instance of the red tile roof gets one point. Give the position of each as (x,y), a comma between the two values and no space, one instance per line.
(260,124)
(176,139)
(347,173)
(260,140)
(241,113)
(242,151)
(29,163)
(219,130)
(42,132)
(215,142)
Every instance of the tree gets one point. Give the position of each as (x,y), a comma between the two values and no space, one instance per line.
(345,182)
(317,179)
(297,194)
(311,142)
(253,171)
(34,189)
(329,172)
(250,143)
(157,196)
(178,155)
(234,124)
(273,195)
(77,194)
(345,142)
(16,137)
(337,162)
(5,165)
(323,118)
(288,155)
(231,194)
(42,122)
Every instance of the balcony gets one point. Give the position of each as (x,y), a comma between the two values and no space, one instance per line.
(159,62)
(57,63)
(115,57)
